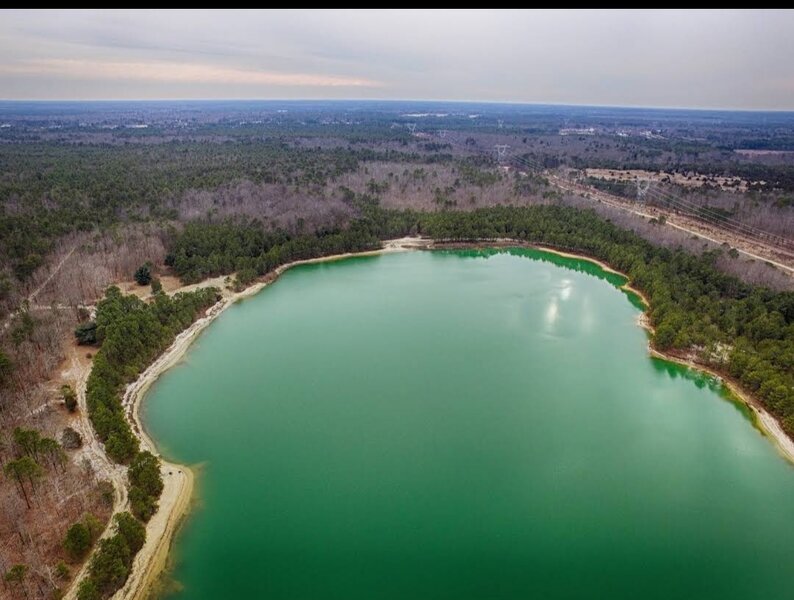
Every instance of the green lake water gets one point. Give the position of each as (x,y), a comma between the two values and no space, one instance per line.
(463,425)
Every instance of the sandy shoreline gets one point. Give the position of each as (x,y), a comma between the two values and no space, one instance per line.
(179,480)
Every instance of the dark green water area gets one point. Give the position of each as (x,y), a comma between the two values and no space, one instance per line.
(463,424)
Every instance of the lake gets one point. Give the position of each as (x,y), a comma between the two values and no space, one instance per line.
(463,424)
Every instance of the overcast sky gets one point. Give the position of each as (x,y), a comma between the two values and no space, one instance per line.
(730,59)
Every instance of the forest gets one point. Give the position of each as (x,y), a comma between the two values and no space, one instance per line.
(49,190)
(58,176)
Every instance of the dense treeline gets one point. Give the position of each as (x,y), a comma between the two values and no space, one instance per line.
(146,485)
(132,333)
(112,562)
(617,188)
(760,176)
(743,330)
(206,249)
(49,190)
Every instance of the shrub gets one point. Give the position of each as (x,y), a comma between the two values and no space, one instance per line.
(86,333)
(143,275)
(69,398)
(78,541)
(71,439)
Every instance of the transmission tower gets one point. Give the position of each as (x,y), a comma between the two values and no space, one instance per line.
(500,123)
(412,127)
(442,133)
(643,186)
(501,151)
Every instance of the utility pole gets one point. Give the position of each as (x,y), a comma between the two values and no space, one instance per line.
(643,185)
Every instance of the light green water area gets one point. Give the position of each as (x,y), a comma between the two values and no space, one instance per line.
(463,425)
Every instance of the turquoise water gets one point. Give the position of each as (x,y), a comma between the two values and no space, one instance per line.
(463,425)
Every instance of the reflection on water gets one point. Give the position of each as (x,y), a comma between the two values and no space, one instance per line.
(573,264)
(703,380)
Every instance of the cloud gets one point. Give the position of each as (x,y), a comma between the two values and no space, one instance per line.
(175,72)
(724,58)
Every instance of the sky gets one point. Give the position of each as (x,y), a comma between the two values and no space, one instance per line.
(698,59)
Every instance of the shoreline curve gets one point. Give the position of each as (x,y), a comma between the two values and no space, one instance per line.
(179,480)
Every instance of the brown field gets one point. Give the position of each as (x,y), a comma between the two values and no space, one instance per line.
(689,180)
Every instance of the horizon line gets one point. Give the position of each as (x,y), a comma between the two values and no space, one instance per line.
(425,100)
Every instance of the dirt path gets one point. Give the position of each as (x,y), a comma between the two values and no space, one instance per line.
(57,268)
(92,450)
(30,297)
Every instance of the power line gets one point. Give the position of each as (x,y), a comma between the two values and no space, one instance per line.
(707,212)
(645,189)
(716,219)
